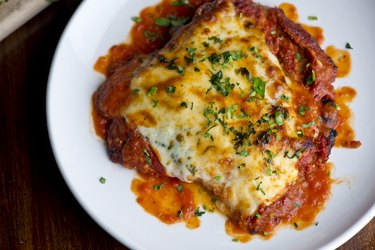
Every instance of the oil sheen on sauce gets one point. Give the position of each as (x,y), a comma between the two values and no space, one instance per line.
(173,201)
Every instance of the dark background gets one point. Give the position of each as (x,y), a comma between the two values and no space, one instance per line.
(37,210)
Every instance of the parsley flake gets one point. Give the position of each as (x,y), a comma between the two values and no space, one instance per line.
(147,156)
(308,125)
(259,87)
(184,3)
(180,214)
(311,79)
(137,19)
(180,188)
(184,104)
(171,89)
(260,189)
(157,187)
(348,46)
(152,91)
(215,39)
(285,98)
(302,110)
(279,118)
(102,180)
(163,21)
(198,212)
(152,36)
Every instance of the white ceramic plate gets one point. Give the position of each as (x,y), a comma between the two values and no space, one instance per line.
(82,158)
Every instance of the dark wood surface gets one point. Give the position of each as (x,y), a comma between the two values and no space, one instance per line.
(37,210)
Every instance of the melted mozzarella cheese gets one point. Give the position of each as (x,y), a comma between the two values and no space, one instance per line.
(199,103)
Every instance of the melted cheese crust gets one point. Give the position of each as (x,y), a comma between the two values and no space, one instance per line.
(201,104)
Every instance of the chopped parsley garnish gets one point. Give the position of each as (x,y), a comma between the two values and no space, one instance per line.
(308,125)
(348,46)
(206,44)
(302,110)
(296,154)
(184,104)
(214,58)
(299,133)
(173,66)
(255,52)
(258,215)
(311,79)
(184,3)
(163,59)
(242,139)
(180,70)
(102,180)
(296,204)
(198,212)
(218,177)
(147,156)
(155,103)
(192,58)
(137,19)
(279,118)
(157,187)
(312,18)
(241,166)
(171,89)
(265,233)
(180,188)
(223,87)
(180,214)
(234,55)
(179,21)
(191,51)
(235,240)
(152,91)
(260,189)
(192,169)
(152,36)
(215,39)
(136,90)
(259,87)
(208,135)
(163,21)
(285,98)
(171,20)
(244,72)
(298,57)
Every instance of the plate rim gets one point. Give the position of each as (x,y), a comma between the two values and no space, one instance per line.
(332,244)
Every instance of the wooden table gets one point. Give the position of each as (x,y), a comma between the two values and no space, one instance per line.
(37,210)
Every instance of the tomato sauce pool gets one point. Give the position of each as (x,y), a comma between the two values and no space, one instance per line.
(173,201)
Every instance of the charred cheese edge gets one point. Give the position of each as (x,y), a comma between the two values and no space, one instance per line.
(214,106)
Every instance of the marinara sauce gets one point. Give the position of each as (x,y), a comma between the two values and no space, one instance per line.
(173,201)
